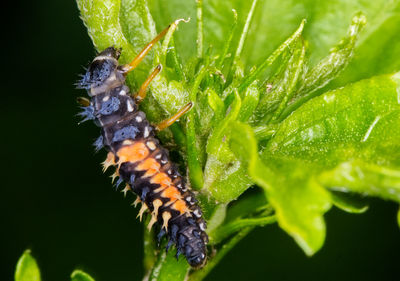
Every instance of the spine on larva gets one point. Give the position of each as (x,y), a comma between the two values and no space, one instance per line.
(140,161)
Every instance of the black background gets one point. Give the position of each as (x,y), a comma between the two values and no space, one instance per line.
(56,201)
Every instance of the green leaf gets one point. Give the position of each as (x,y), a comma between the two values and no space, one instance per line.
(368,179)
(217,217)
(216,145)
(217,105)
(379,47)
(348,202)
(288,43)
(165,12)
(231,228)
(139,29)
(327,21)
(298,200)
(248,206)
(354,131)
(250,101)
(168,268)
(275,102)
(226,182)
(193,149)
(105,31)
(224,176)
(27,268)
(79,275)
(359,121)
(274,21)
(329,67)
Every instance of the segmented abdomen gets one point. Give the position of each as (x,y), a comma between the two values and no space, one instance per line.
(145,166)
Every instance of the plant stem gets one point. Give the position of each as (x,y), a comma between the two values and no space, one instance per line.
(167,39)
(199,28)
(226,230)
(149,246)
(245,30)
(243,35)
(201,274)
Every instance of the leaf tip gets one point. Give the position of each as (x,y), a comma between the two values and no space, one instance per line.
(79,275)
(360,18)
(27,268)
(357,23)
(311,245)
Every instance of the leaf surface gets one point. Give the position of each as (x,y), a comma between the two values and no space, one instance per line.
(27,268)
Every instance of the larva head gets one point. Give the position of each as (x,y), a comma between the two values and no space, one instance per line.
(102,72)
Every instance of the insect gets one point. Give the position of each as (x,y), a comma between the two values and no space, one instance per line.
(140,161)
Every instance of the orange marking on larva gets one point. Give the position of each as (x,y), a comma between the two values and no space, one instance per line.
(161,179)
(150,165)
(180,206)
(133,153)
(170,192)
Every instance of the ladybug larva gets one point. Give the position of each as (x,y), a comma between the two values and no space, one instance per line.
(140,161)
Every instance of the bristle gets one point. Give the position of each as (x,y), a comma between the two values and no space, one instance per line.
(152,222)
(141,211)
(137,201)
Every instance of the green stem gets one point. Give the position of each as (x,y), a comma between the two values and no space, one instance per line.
(227,230)
(149,246)
(201,274)
(179,135)
(245,30)
(167,39)
(199,28)
(242,39)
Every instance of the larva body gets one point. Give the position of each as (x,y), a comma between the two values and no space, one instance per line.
(140,160)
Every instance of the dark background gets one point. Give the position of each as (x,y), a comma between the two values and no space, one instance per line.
(56,201)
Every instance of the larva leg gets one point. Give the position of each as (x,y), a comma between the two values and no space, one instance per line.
(131,66)
(166,123)
(141,94)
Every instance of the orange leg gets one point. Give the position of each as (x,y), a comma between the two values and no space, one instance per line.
(166,123)
(129,67)
(141,94)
